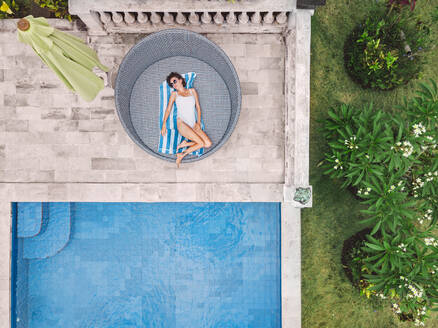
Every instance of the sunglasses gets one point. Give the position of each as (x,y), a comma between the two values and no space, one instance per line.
(173,82)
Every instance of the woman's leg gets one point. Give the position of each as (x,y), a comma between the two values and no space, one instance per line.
(187,132)
(203,135)
(185,143)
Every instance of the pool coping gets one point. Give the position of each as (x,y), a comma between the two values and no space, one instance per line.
(290,238)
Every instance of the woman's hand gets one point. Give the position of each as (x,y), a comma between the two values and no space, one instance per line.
(163,130)
(197,126)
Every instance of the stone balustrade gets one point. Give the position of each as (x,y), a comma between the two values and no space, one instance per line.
(206,16)
(208,22)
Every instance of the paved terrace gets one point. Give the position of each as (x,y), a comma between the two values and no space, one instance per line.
(56,147)
(49,134)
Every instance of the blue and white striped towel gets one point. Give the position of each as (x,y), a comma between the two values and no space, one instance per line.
(168,143)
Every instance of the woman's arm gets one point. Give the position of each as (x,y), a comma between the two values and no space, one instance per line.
(198,107)
(167,113)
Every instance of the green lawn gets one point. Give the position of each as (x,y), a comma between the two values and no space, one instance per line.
(328,299)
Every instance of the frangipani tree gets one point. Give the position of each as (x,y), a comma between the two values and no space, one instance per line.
(392,162)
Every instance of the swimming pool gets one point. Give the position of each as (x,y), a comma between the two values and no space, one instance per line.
(146,265)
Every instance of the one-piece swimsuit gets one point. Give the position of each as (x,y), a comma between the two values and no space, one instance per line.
(186,109)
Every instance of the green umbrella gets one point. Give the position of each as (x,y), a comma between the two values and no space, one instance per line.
(66,55)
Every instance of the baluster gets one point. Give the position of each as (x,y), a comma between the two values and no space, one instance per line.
(142,17)
(206,18)
(105,18)
(256,18)
(194,18)
(168,18)
(180,18)
(155,18)
(268,18)
(281,18)
(129,18)
(117,17)
(219,18)
(243,18)
(231,18)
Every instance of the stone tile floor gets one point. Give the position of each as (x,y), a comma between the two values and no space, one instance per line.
(48,134)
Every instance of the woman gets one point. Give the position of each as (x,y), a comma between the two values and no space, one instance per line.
(186,100)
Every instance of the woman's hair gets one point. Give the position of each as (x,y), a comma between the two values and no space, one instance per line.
(178,76)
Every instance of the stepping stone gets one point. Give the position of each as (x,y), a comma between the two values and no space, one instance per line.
(54,235)
(29,219)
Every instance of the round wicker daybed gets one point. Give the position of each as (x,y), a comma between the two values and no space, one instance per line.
(147,65)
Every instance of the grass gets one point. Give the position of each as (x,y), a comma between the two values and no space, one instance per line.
(328,298)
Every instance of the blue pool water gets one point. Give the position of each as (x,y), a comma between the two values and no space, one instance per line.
(160,265)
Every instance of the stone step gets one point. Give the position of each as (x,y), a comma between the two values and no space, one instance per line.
(29,219)
(54,235)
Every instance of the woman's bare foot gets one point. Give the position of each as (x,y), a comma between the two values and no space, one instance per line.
(179,158)
(182,145)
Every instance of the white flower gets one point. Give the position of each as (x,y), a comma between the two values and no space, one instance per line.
(407,148)
(431,242)
(402,247)
(418,129)
(350,143)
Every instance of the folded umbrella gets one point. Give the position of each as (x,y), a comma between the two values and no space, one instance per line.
(68,56)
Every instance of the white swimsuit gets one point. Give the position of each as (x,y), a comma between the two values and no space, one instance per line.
(186,108)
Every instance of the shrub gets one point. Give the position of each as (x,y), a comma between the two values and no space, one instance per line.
(392,161)
(377,54)
(8,8)
(58,7)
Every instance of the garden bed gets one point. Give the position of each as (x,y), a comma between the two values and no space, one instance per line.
(350,250)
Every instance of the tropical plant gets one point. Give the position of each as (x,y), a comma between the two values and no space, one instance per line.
(58,7)
(392,161)
(8,8)
(386,50)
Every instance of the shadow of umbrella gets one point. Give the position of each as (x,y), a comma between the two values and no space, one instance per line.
(68,56)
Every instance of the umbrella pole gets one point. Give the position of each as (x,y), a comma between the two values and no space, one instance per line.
(23,24)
